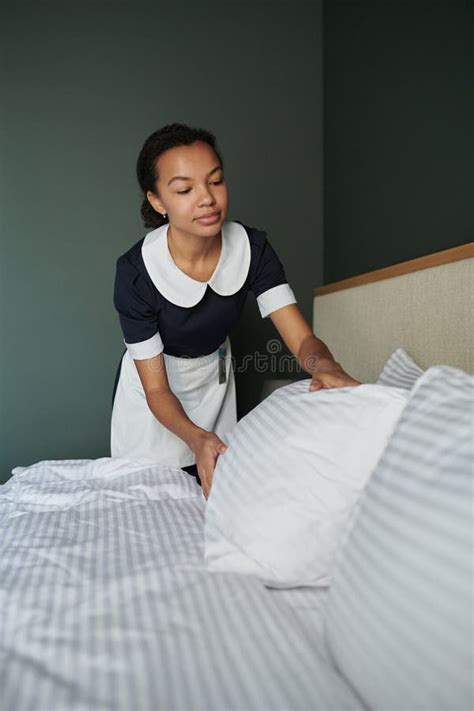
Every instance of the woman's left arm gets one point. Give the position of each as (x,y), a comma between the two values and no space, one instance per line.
(311,352)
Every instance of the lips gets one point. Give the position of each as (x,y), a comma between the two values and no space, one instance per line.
(210,219)
(209,214)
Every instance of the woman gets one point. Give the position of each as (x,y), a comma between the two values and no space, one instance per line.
(178,292)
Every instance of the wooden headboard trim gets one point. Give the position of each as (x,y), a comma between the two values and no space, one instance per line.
(455,254)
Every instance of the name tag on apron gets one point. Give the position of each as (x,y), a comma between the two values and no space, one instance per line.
(222,373)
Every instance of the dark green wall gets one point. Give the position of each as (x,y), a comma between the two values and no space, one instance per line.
(83,85)
(397,137)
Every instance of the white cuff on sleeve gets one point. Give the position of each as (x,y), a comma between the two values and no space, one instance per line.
(145,349)
(275,298)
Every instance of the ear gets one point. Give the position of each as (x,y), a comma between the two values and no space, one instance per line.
(155,202)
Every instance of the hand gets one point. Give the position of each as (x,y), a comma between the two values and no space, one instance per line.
(207,447)
(329,374)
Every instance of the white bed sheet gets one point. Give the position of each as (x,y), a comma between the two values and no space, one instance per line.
(105,603)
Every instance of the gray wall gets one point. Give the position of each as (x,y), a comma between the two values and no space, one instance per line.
(397,138)
(83,85)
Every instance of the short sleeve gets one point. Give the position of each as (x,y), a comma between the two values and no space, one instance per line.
(268,281)
(137,310)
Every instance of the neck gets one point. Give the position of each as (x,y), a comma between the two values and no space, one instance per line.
(191,248)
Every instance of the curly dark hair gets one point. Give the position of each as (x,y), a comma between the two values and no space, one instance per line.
(175,134)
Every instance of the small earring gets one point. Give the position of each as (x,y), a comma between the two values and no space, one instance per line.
(164,215)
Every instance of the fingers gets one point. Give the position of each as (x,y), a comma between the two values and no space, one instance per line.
(204,484)
(333,381)
(207,462)
(207,470)
(221,446)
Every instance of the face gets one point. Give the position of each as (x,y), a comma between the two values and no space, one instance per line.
(190,185)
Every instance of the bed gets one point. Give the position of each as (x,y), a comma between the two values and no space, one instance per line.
(105,602)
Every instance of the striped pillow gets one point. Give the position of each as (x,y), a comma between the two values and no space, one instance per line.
(284,492)
(400,371)
(399,616)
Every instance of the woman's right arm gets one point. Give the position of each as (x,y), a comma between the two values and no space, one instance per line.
(169,411)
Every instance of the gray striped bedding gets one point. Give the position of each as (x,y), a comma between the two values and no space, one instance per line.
(400,371)
(400,609)
(105,603)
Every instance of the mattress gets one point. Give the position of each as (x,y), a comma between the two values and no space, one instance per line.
(105,603)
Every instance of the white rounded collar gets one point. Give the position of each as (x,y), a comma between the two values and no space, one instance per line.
(182,290)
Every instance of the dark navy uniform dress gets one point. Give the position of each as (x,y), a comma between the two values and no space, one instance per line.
(163,310)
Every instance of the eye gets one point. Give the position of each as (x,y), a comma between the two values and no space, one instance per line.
(214,182)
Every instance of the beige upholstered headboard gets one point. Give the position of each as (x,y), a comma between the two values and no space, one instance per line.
(425,306)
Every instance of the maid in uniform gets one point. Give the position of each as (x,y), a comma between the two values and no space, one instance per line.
(178,292)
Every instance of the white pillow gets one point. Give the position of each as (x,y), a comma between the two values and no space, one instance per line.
(283,493)
(400,371)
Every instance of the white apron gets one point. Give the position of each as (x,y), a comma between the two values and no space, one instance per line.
(136,433)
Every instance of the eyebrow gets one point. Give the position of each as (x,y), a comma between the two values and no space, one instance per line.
(183,177)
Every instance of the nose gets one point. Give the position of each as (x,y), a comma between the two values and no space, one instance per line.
(207,198)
